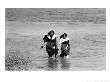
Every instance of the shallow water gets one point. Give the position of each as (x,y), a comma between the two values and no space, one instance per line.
(87,51)
(70,64)
(52,64)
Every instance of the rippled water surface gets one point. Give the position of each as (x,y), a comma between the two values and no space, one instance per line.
(88,47)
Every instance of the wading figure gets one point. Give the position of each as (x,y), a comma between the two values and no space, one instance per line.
(51,43)
(65,46)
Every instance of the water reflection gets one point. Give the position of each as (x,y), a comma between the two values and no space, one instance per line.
(64,63)
(52,64)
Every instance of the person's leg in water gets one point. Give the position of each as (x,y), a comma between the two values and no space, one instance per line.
(62,53)
(56,52)
(49,54)
(67,55)
(68,51)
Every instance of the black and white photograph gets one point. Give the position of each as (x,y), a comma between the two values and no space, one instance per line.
(55,39)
